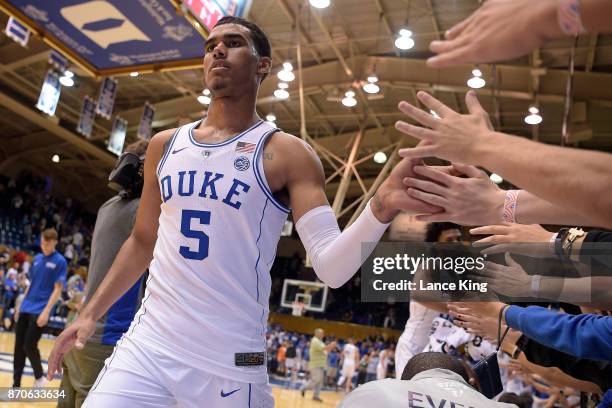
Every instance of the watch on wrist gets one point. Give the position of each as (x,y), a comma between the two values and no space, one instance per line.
(560,238)
(572,235)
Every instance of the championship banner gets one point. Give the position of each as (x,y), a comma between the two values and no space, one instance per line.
(17,31)
(146,122)
(208,12)
(58,61)
(49,94)
(106,100)
(86,119)
(108,37)
(117,136)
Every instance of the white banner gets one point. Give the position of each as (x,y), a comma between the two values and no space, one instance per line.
(146,122)
(106,100)
(86,119)
(17,31)
(117,136)
(49,94)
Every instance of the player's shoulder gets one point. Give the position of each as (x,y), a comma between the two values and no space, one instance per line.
(162,137)
(287,141)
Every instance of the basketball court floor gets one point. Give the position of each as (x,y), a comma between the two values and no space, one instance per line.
(284,398)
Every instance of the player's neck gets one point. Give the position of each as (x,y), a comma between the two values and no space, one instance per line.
(231,113)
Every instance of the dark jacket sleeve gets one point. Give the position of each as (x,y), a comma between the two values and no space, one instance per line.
(584,335)
(595,371)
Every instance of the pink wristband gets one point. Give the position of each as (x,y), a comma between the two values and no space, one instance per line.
(509,213)
(568,16)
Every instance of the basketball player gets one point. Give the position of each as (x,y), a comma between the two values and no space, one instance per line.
(416,332)
(350,362)
(216,195)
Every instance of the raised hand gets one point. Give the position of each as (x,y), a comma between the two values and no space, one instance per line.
(453,137)
(499,30)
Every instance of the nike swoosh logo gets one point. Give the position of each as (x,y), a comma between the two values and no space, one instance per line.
(175,151)
(223,395)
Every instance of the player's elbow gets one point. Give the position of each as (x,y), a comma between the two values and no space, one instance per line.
(329,277)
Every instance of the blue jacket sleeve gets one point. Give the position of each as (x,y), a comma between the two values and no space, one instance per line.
(585,335)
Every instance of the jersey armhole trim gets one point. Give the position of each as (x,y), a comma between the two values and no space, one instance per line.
(261,179)
(167,153)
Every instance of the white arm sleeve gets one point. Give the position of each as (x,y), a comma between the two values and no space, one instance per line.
(337,256)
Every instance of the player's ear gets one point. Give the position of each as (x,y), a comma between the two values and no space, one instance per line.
(264,66)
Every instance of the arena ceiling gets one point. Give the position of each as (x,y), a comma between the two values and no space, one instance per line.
(340,46)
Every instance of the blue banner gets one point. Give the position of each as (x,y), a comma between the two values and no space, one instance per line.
(117,136)
(106,100)
(112,34)
(146,122)
(58,61)
(86,119)
(49,94)
(17,31)
(208,12)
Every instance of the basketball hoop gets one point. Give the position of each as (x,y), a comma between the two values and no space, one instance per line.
(298,308)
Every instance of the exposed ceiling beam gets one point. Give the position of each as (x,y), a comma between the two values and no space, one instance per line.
(38,119)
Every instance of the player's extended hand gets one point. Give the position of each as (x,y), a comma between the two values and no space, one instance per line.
(453,137)
(531,240)
(471,200)
(74,335)
(392,196)
(499,30)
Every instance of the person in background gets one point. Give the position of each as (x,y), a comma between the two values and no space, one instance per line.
(48,274)
(318,360)
(332,368)
(114,224)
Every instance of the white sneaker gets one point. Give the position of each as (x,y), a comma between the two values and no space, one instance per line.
(41,382)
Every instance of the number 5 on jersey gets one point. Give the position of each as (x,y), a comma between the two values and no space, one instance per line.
(204,219)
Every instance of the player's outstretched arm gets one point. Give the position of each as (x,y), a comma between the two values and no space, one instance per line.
(129,265)
(337,256)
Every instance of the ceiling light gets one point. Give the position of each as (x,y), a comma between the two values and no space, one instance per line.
(534,117)
(55,158)
(286,76)
(320,4)
(66,81)
(287,66)
(283,85)
(204,100)
(372,78)
(380,157)
(477,81)
(371,88)
(134,74)
(281,94)
(69,74)
(404,41)
(349,99)
(206,92)
(496,178)
(270,117)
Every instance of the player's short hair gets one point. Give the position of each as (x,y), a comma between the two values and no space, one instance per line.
(435,229)
(260,39)
(430,360)
(50,234)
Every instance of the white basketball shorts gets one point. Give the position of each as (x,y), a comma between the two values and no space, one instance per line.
(139,376)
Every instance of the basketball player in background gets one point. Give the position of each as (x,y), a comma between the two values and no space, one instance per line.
(216,195)
(350,362)
(416,333)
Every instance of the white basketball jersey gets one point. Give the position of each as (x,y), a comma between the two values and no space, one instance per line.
(349,353)
(443,331)
(207,297)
